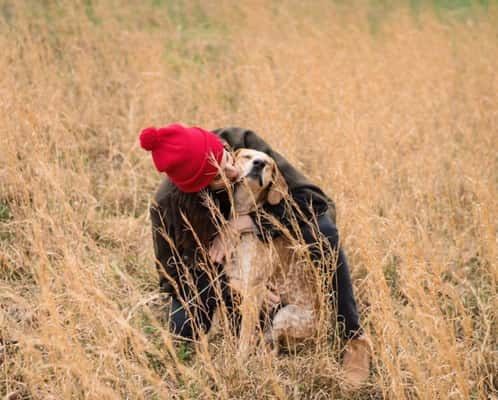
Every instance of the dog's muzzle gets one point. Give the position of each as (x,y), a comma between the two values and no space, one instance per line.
(256,171)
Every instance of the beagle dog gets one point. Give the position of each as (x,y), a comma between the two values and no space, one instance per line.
(255,265)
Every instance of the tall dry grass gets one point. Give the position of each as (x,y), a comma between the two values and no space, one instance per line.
(392,109)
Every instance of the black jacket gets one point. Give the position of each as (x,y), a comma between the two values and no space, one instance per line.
(308,197)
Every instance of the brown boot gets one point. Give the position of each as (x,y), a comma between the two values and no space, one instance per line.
(356,363)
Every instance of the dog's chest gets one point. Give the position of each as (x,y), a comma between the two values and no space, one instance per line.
(251,264)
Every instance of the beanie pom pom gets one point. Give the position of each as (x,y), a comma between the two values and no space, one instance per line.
(149,139)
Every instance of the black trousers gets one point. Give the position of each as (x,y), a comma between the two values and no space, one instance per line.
(342,294)
(186,319)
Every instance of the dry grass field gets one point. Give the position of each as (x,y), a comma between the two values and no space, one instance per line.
(391,107)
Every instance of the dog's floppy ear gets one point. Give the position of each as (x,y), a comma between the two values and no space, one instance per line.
(236,153)
(279,189)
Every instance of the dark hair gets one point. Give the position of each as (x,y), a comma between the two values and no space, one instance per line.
(190,217)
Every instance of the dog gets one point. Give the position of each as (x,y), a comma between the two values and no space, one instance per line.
(255,265)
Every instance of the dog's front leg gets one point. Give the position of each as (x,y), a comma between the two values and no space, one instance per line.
(252,301)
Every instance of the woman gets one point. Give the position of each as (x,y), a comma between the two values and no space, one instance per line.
(198,165)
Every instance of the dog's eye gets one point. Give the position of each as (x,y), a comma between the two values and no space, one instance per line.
(246,157)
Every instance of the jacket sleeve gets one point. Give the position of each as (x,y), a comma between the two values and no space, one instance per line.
(166,259)
(290,215)
(239,138)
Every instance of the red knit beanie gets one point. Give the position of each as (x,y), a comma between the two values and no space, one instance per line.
(184,154)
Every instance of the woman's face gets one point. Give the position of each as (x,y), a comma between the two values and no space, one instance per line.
(228,172)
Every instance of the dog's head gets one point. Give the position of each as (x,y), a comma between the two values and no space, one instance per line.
(260,180)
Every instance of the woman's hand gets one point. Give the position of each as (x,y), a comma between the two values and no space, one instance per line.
(272,299)
(220,245)
(217,250)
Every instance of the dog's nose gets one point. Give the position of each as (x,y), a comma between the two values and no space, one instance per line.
(258,163)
